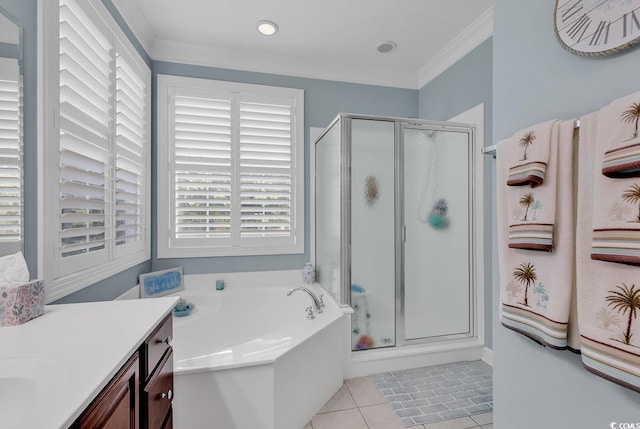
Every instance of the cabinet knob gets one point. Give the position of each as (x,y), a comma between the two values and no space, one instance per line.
(166,341)
(167,395)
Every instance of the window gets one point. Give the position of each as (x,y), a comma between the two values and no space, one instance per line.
(234,157)
(96,179)
(11,201)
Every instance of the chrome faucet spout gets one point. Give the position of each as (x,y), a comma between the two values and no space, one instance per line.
(316,301)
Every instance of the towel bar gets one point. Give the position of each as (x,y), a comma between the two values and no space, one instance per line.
(491,150)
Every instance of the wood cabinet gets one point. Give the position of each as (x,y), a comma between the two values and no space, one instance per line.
(118,404)
(139,396)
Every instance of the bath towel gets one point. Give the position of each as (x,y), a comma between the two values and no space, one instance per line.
(616,205)
(536,287)
(532,224)
(622,139)
(528,155)
(608,295)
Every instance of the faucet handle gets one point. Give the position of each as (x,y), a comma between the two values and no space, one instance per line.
(321,300)
(309,311)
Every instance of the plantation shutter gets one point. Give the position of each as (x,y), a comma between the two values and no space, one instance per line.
(11,201)
(265,143)
(233,152)
(85,136)
(130,162)
(202,166)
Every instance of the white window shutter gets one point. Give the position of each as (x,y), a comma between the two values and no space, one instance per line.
(265,167)
(85,133)
(130,162)
(11,198)
(234,151)
(202,166)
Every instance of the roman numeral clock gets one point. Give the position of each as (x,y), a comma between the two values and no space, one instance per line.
(597,27)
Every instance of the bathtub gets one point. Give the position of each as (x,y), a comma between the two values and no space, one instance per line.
(247,356)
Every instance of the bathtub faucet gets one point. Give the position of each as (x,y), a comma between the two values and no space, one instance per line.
(317,304)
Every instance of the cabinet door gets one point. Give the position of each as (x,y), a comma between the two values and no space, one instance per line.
(117,405)
(158,393)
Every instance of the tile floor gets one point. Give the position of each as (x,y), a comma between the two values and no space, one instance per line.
(439,392)
(359,405)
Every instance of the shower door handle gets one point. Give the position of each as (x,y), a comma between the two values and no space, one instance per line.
(404,233)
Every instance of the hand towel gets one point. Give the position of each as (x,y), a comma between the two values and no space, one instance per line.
(528,155)
(616,204)
(622,137)
(536,287)
(533,212)
(608,295)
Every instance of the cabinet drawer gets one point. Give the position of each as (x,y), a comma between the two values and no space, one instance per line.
(156,345)
(158,393)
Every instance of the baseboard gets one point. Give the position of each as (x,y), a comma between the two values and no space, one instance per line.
(398,358)
(487,356)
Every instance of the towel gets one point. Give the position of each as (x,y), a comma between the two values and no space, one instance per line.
(533,212)
(622,138)
(536,287)
(528,155)
(616,204)
(608,295)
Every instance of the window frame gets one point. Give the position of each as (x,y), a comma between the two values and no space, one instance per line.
(170,247)
(58,286)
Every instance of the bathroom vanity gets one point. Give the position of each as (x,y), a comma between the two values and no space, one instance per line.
(90,365)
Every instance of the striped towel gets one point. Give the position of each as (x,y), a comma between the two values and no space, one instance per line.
(616,190)
(622,138)
(528,155)
(536,287)
(533,212)
(608,295)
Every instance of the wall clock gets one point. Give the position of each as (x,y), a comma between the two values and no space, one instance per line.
(597,27)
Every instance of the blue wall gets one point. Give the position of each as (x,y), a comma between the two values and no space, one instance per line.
(535,79)
(462,86)
(323,100)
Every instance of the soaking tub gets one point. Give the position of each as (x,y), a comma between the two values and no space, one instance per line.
(248,357)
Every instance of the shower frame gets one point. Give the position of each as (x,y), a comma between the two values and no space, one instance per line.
(344,120)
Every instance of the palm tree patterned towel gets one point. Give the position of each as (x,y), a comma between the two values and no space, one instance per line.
(532,213)
(622,159)
(608,295)
(536,287)
(616,187)
(528,155)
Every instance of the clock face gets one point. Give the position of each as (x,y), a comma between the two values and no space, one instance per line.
(597,27)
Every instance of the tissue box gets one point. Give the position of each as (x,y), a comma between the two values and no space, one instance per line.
(21,303)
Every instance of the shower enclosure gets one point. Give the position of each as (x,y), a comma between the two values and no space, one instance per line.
(395,228)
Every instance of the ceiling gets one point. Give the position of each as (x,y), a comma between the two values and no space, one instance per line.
(328,39)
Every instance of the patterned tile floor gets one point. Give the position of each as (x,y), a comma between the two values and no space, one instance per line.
(360,405)
(437,393)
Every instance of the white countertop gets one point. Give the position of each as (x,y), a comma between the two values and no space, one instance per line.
(76,349)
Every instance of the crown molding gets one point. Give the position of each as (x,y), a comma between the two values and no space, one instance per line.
(260,62)
(137,22)
(472,36)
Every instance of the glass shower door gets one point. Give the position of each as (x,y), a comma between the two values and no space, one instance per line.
(373,246)
(436,283)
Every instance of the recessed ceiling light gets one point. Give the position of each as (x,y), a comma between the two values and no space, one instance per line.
(386,46)
(267,28)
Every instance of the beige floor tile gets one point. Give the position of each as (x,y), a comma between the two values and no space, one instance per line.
(460,423)
(344,419)
(342,400)
(364,392)
(381,416)
(488,426)
(483,419)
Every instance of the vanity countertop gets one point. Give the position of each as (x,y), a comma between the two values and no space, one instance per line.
(72,351)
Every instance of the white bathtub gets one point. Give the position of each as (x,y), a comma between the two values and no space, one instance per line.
(247,357)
